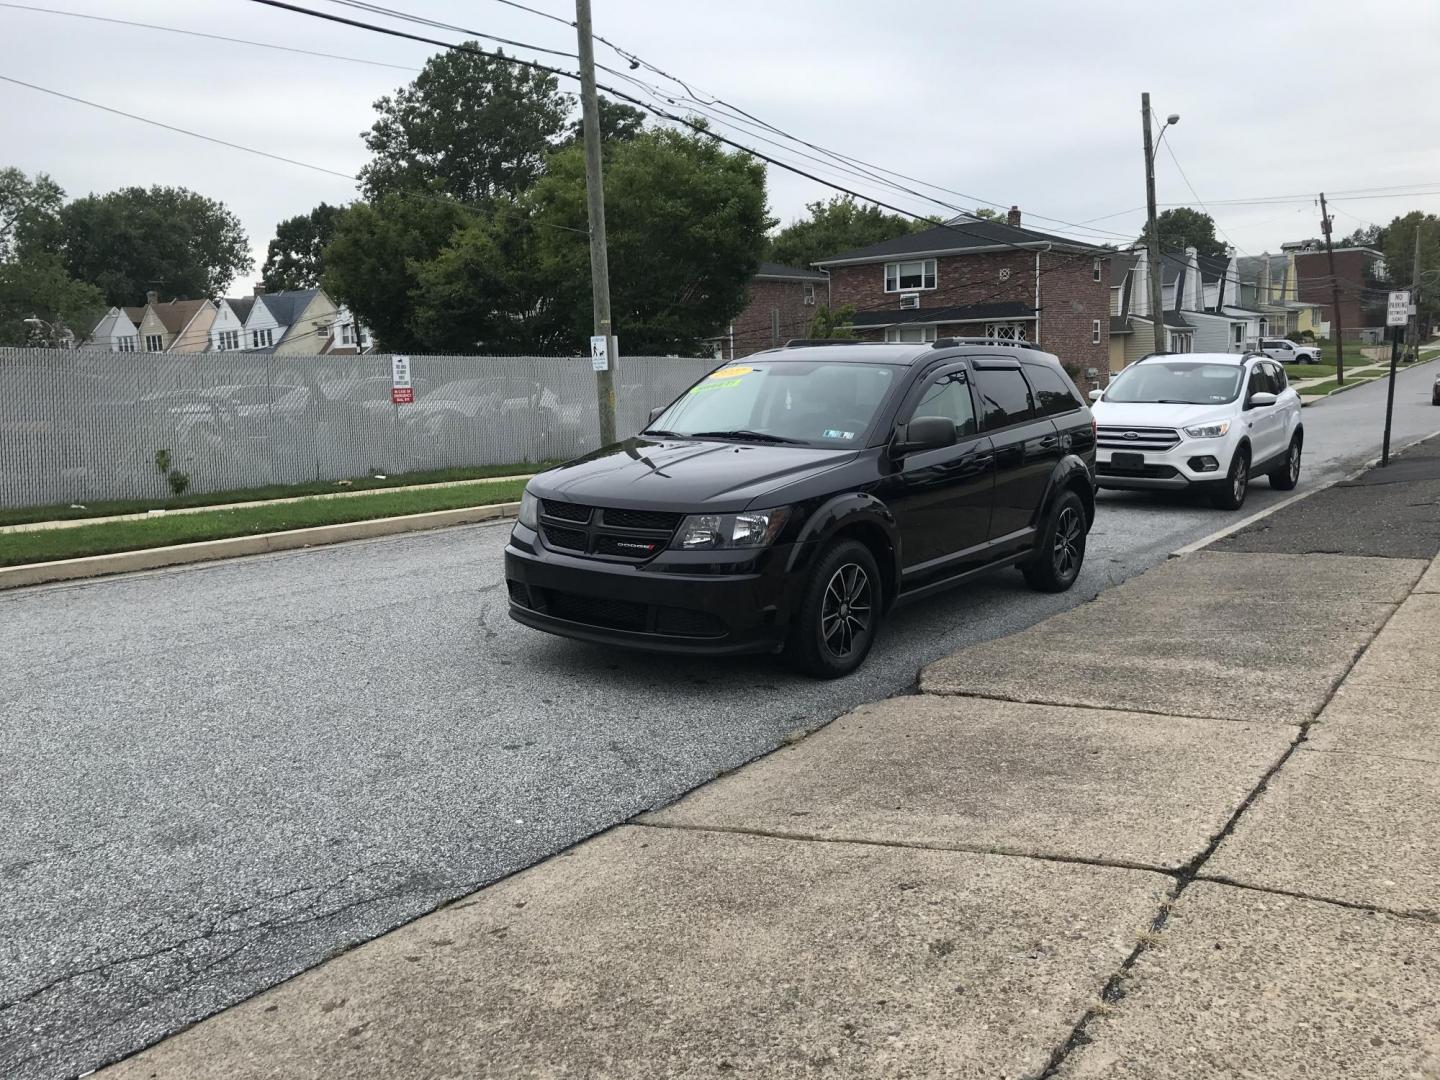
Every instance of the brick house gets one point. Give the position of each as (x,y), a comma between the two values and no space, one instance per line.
(1356,269)
(782,302)
(974,277)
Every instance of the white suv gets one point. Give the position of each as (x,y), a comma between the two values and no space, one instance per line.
(1290,352)
(1209,421)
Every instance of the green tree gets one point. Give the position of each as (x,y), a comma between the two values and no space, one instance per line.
(1400,238)
(374,261)
(1371,236)
(618,123)
(35,285)
(1183,227)
(470,126)
(833,324)
(296,257)
(842,224)
(25,205)
(129,241)
(686,223)
(987,213)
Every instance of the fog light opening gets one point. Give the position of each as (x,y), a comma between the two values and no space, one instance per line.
(1205,463)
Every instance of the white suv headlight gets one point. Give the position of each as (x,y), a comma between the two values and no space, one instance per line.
(1208,431)
(752,529)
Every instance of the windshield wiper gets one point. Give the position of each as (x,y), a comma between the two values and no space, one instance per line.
(746,433)
(663,433)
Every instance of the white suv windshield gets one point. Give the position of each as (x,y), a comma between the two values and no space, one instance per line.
(1177,382)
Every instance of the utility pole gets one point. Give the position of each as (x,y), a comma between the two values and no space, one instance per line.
(595,199)
(1334,296)
(1415,298)
(1152,245)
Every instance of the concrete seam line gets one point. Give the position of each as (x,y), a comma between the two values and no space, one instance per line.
(13,577)
(1430,918)
(1110,708)
(912,845)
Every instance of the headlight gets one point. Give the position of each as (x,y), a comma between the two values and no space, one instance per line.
(1208,431)
(752,529)
(529,510)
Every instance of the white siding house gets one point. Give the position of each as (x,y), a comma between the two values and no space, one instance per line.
(118,331)
(227,333)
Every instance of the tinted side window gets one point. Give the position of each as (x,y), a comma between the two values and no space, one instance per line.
(1004,398)
(1278,381)
(949,396)
(1052,395)
(1259,381)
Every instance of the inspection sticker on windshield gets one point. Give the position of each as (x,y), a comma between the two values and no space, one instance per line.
(833,433)
(730,372)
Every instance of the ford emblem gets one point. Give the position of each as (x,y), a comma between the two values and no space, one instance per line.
(1131,435)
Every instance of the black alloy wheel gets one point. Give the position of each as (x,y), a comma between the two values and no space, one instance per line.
(1061,552)
(1287,474)
(839,613)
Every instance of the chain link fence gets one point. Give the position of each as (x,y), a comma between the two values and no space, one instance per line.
(78,426)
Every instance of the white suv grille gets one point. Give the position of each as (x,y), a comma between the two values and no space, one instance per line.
(1153,439)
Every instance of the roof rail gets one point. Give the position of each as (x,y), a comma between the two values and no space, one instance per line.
(805,343)
(947,342)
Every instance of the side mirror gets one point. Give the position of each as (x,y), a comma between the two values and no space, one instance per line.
(924,433)
(1096,395)
(1261,398)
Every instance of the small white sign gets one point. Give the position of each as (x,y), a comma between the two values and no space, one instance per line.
(600,353)
(1397,312)
(401,392)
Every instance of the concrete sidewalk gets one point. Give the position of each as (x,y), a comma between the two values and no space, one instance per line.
(1189,829)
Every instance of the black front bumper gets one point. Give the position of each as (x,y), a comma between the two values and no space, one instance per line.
(680,602)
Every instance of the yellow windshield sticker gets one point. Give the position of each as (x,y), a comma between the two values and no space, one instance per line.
(731,372)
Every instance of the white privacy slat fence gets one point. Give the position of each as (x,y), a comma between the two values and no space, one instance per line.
(81,425)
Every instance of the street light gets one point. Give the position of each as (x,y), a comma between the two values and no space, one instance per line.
(1157,300)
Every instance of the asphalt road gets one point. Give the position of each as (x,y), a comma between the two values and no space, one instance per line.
(214,777)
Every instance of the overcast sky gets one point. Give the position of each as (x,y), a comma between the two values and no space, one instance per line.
(1032,102)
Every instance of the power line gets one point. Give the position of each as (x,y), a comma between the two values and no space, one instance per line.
(202,34)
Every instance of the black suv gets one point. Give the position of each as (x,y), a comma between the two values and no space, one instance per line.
(786,502)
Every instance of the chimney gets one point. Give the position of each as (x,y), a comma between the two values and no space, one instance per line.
(152,297)
(259,290)
(1013,218)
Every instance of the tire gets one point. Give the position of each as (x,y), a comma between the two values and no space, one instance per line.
(1061,551)
(1230,494)
(844,598)
(1286,475)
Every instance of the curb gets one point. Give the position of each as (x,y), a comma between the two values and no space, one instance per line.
(122,562)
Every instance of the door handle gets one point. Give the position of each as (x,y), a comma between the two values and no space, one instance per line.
(1048,441)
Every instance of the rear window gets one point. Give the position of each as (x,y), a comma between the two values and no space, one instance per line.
(1004,397)
(1053,395)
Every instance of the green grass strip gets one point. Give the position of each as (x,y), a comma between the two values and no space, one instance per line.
(1326,387)
(116,507)
(75,542)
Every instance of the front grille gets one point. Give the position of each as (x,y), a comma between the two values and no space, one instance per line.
(1148,472)
(640,519)
(1151,439)
(683,622)
(608,533)
(565,511)
(519,594)
(573,539)
(612,614)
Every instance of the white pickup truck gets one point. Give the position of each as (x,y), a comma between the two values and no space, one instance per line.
(1290,352)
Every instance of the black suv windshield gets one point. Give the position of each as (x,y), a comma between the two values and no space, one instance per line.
(810,402)
(1177,382)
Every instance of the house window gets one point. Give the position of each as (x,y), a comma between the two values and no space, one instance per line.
(347,336)
(260,339)
(154,343)
(1095,270)
(227,339)
(125,344)
(917,335)
(809,293)
(996,331)
(1094,331)
(1237,335)
(1179,343)
(906,276)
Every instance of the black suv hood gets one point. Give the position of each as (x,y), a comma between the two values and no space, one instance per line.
(686,475)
